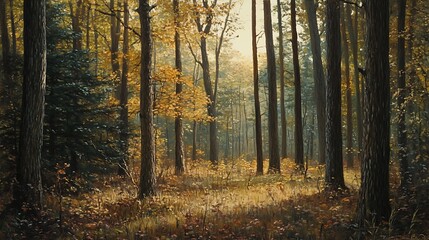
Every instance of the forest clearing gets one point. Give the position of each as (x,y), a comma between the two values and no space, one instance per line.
(214,119)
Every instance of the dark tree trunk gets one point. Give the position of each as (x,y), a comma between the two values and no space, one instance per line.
(211,107)
(402,131)
(123,98)
(376,156)
(147,171)
(29,187)
(75,15)
(115,32)
(5,45)
(349,118)
(180,152)
(354,46)
(282,83)
(95,30)
(334,178)
(299,141)
(274,162)
(319,78)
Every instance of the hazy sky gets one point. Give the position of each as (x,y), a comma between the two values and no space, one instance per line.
(244,41)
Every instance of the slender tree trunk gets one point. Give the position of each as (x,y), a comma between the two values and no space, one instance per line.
(299,141)
(88,29)
(354,46)
(180,152)
(334,177)
(282,83)
(76,24)
(375,185)
(115,32)
(274,163)
(319,78)
(29,187)
(402,131)
(95,29)
(5,46)
(123,97)
(147,171)
(349,118)
(258,122)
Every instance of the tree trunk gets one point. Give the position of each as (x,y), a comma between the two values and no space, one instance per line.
(147,171)
(123,98)
(319,78)
(402,131)
(5,46)
(334,178)
(282,83)
(95,30)
(77,30)
(13,28)
(180,152)
(354,46)
(115,32)
(299,141)
(274,163)
(376,156)
(29,187)
(349,118)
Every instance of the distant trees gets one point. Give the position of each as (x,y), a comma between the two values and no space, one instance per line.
(375,181)
(147,171)
(29,186)
(273,142)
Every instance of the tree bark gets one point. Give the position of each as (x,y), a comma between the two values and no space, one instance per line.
(349,118)
(123,98)
(13,28)
(274,162)
(299,141)
(180,152)
(402,131)
(5,46)
(376,156)
(334,178)
(29,187)
(147,171)
(319,78)
(75,15)
(282,83)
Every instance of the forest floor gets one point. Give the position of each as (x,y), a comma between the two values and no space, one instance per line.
(229,202)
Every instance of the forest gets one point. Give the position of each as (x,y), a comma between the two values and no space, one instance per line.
(214,119)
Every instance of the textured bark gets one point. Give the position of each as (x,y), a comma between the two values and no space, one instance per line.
(123,97)
(349,117)
(319,78)
(299,141)
(354,46)
(402,134)
(29,187)
(274,162)
(375,185)
(115,32)
(95,30)
(282,83)
(147,171)
(334,177)
(180,152)
(75,14)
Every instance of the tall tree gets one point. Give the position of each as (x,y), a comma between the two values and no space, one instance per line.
(204,29)
(349,117)
(353,34)
(180,153)
(274,162)
(402,131)
(299,141)
(147,171)
(282,82)
(258,122)
(375,181)
(115,32)
(123,97)
(319,78)
(29,187)
(334,177)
